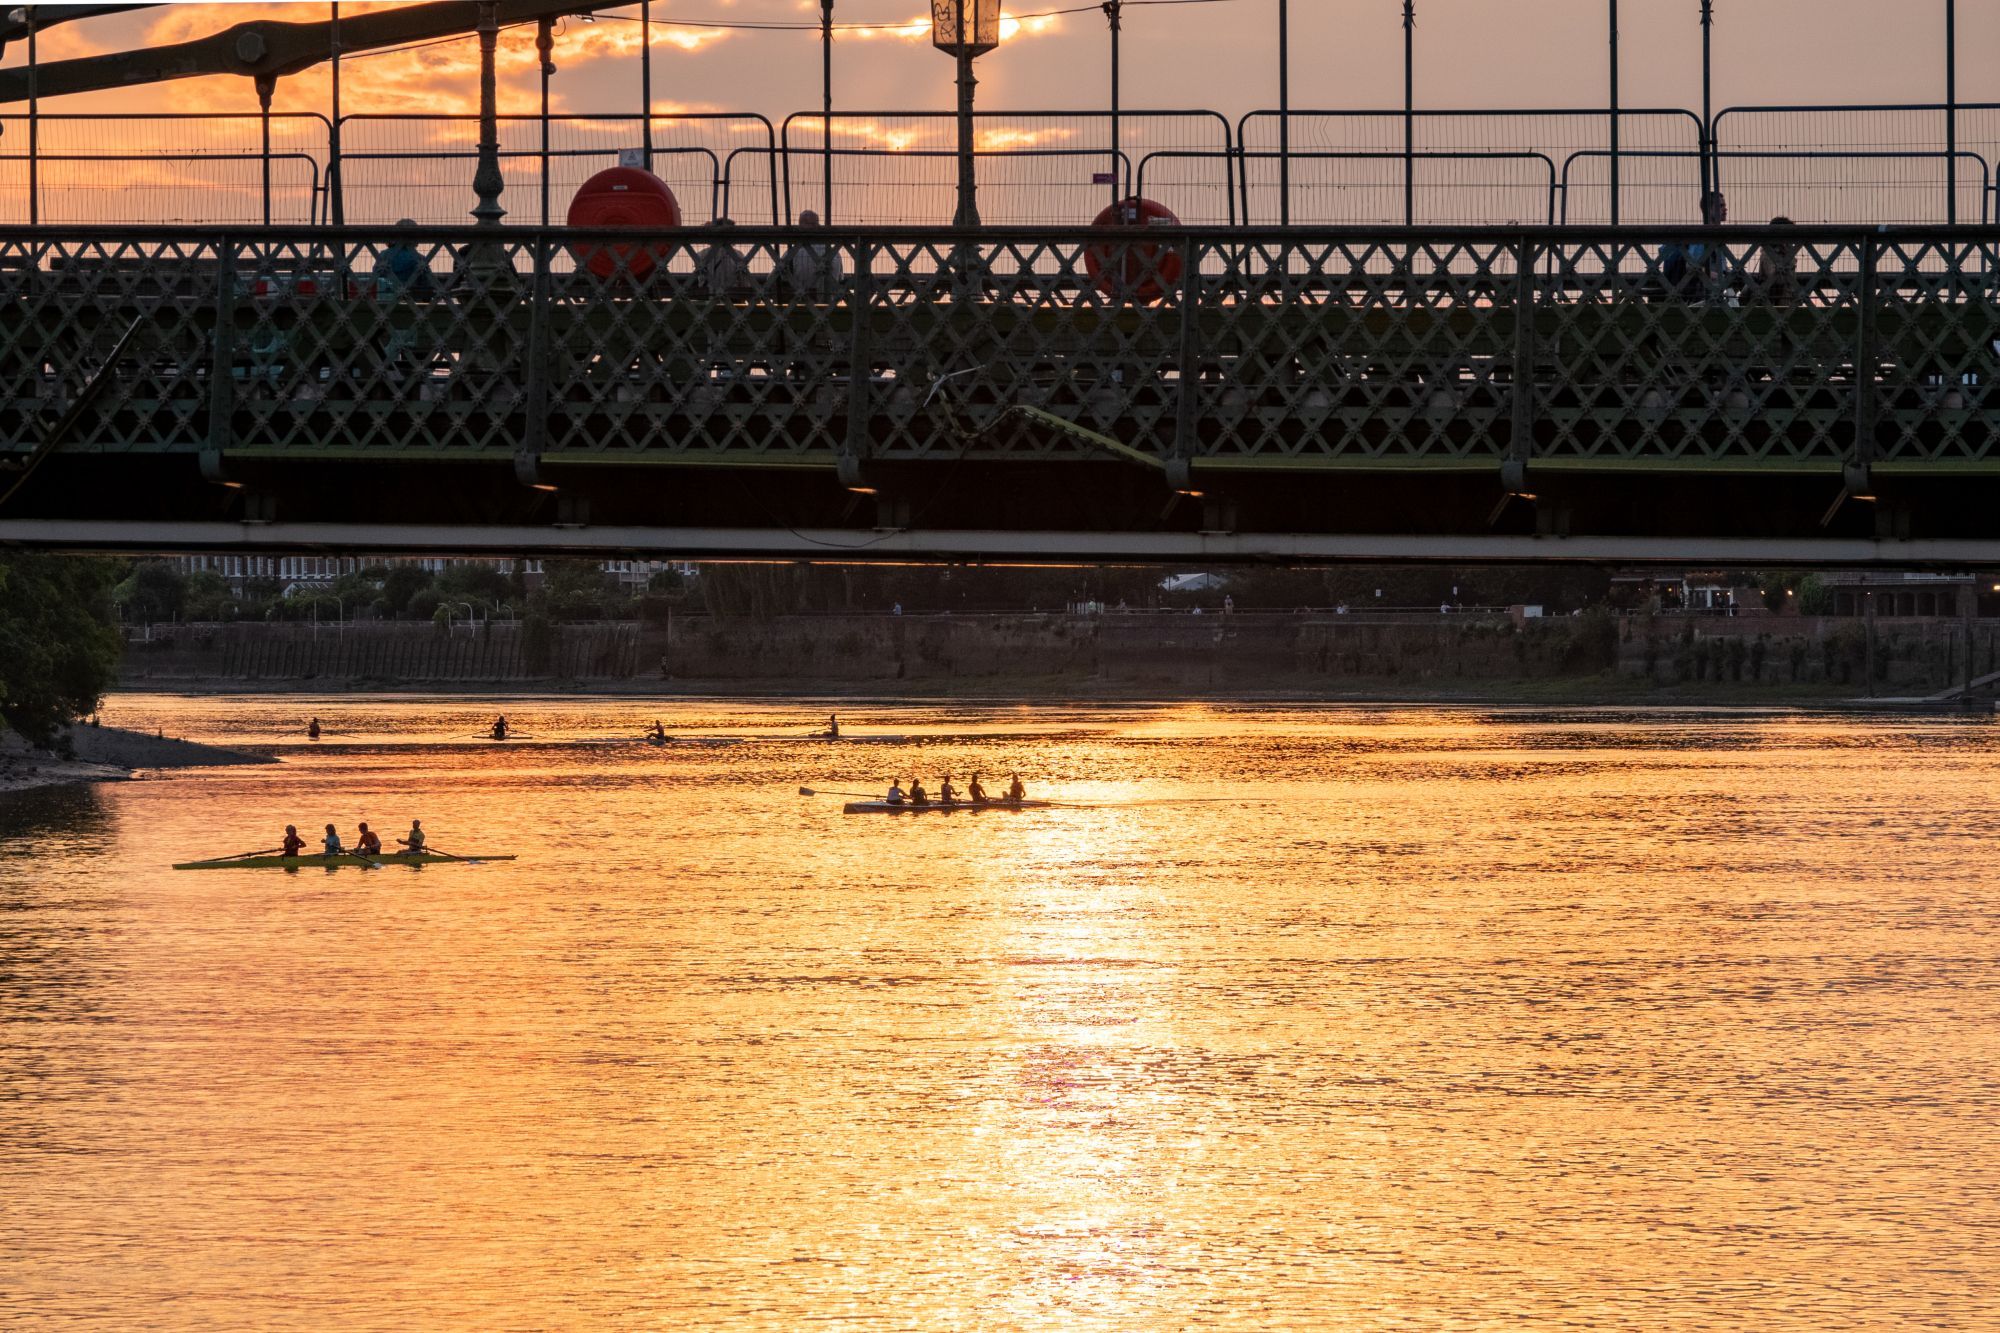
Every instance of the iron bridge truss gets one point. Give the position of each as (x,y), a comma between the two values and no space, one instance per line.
(1812,395)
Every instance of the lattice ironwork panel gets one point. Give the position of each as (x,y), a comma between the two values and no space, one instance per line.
(122,330)
(1687,351)
(964,333)
(1787,351)
(1937,335)
(393,347)
(1356,353)
(689,350)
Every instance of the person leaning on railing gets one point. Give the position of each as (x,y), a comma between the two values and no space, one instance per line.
(1694,271)
(1777,278)
(401,270)
(814,270)
(724,274)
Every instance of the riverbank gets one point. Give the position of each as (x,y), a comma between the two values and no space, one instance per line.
(1272,655)
(1606,690)
(106,754)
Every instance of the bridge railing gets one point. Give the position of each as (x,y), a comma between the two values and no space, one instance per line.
(1742,349)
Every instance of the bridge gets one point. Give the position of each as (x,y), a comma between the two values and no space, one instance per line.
(1819,395)
(1338,357)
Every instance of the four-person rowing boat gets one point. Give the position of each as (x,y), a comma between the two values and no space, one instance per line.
(333,860)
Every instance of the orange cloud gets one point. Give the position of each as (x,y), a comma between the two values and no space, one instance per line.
(439,78)
(896,138)
(918,29)
(934,132)
(1002,138)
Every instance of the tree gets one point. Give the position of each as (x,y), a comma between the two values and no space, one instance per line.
(58,647)
(208,597)
(402,583)
(1815,597)
(155,590)
(576,590)
(1776,588)
(472,582)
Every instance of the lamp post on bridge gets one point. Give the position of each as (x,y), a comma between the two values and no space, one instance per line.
(486,258)
(966,29)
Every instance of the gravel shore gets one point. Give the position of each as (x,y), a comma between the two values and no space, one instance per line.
(106,754)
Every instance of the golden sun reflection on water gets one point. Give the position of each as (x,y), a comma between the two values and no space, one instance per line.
(1295,1017)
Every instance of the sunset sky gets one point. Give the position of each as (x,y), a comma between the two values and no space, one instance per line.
(1222,55)
(1218,55)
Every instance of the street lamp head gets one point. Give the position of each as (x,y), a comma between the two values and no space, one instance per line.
(965,27)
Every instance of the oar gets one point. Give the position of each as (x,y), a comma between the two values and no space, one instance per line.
(864,795)
(240,856)
(468,860)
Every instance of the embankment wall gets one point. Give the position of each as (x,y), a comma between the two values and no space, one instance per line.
(1221,653)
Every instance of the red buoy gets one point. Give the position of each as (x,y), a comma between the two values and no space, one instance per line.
(623,197)
(1139,270)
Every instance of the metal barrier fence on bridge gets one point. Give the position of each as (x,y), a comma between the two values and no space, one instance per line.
(1814,165)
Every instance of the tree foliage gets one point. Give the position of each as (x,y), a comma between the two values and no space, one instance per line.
(1815,596)
(154,591)
(58,648)
(577,590)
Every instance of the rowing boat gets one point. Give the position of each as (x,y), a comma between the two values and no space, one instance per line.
(939,807)
(333,862)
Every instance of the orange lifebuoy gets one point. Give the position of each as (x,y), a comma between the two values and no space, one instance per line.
(623,197)
(1139,270)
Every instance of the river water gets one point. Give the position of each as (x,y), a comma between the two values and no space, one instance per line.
(1299,1017)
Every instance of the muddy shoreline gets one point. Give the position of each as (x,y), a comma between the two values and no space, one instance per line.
(106,754)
